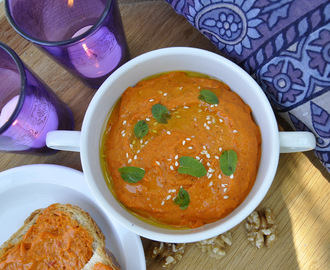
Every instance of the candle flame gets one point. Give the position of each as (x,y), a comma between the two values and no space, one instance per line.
(91,54)
(70,3)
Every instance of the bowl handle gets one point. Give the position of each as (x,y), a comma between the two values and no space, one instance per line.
(296,141)
(64,140)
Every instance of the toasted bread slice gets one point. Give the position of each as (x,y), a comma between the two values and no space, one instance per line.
(99,258)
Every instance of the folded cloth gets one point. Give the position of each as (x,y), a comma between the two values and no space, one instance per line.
(284,45)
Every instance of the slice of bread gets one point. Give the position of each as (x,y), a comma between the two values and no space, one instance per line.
(100,257)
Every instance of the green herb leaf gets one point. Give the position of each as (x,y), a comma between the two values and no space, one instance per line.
(208,96)
(141,129)
(160,113)
(228,162)
(131,174)
(191,166)
(183,199)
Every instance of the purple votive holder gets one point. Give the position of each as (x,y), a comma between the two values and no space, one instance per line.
(86,37)
(29,109)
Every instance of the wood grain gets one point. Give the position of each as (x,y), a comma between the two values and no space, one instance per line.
(299,195)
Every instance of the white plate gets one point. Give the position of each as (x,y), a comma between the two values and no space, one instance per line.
(27,188)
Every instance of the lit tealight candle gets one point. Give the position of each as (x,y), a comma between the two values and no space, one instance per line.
(97,54)
(31,128)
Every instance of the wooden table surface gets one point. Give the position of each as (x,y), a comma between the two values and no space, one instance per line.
(299,196)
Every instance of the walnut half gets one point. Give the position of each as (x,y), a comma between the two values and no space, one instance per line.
(167,254)
(261,228)
(215,247)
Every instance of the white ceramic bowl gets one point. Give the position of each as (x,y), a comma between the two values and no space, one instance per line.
(162,60)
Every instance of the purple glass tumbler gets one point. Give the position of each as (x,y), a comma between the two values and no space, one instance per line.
(28,108)
(86,37)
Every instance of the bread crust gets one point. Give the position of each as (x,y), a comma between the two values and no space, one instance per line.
(84,220)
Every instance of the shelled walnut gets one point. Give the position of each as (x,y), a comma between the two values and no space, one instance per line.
(261,228)
(167,254)
(215,247)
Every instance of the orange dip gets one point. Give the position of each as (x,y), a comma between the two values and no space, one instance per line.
(54,242)
(196,129)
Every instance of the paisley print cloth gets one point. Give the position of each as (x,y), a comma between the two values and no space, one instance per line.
(284,45)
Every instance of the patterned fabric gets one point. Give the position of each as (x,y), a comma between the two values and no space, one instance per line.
(284,45)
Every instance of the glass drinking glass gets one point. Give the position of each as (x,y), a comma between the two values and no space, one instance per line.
(84,36)
(28,107)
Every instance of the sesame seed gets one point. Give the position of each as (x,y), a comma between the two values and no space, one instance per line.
(123,135)
(200,110)
(207,127)
(129,161)
(208,164)
(126,155)
(185,107)
(198,158)
(123,131)
(208,117)
(141,141)
(217,157)
(174,190)
(225,190)
(146,142)
(171,167)
(168,197)
(211,184)
(154,131)
(199,87)
(158,163)
(178,116)
(204,147)
(168,132)
(176,156)
(235,131)
(208,155)
(131,145)
(135,157)
(138,151)
(176,163)
(225,197)
(192,136)
(163,202)
(180,88)
(220,149)
(219,176)
(124,122)
(209,122)
(147,119)
(212,106)
(210,175)
(188,139)
(195,119)
(169,159)
(220,120)
(231,176)
(183,142)
(190,147)
(151,100)
(223,185)
(165,94)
